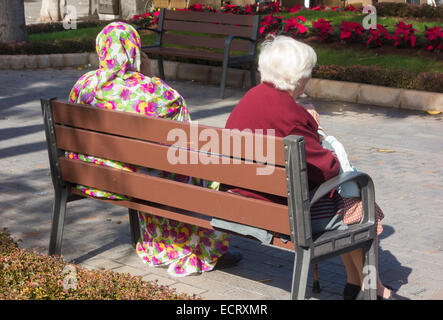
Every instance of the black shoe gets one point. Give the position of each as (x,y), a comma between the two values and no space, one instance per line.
(350,291)
(228,260)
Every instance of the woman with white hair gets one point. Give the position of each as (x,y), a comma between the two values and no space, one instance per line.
(285,66)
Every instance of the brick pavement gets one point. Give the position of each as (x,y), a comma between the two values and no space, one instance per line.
(401,150)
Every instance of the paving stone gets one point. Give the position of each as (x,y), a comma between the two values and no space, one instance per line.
(193,72)
(131,270)
(101,263)
(187,289)
(159,279)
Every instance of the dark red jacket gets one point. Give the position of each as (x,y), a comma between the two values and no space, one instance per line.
(265,107)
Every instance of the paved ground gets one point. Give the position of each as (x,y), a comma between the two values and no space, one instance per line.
(401,150)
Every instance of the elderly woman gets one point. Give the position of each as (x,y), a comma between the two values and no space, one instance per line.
(285,66)
(122,83)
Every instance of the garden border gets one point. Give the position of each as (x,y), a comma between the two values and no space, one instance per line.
(317,88)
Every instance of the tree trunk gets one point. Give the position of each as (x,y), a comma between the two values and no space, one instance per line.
(52,11)
(12,21)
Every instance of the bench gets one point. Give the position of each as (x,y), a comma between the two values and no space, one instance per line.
(207,36)
(143,141)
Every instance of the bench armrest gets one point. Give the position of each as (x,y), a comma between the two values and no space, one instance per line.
(366,189)
(299,200)
(228,42)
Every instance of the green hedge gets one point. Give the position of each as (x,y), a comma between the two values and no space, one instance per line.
(59,46)
(392,9)
(374,75)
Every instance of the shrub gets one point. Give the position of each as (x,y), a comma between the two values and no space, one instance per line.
(28,275)
(146,20)
(58,26)
(404,35)
(408,10)
(377,36)
(382,77)
(294,25)
(351,31)
(322,29)
(435,38)
(270,24)
(59,46)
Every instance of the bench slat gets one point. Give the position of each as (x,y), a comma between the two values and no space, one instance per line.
(244,20)
(207,42)
(197,54)
(155,156)
(201,221)
(207,28)
(223,205)
(153,129)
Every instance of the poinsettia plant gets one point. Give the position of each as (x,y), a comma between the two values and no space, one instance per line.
(294,25)
(322,29)
(146,20)
(295,8)
(351,31)
(404,35)
(350,8)
(377,36)
(270,24)
(435,38)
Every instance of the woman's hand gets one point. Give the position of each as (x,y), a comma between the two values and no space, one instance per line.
(145,65)
(313,112)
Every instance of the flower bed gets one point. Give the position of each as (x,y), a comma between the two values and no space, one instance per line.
(28,275)
(347,31)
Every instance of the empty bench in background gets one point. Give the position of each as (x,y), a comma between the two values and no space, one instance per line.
(143,141)
(201,33)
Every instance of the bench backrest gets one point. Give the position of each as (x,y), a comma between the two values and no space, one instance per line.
(227,156)
(207,29)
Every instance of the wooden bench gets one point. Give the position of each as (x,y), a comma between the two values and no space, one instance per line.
(143,141)
(201,33)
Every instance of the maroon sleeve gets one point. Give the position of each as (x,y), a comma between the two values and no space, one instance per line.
(322,163)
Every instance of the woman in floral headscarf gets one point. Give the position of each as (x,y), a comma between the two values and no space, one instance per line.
(118,84)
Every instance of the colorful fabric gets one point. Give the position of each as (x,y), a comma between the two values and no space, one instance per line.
(119,85)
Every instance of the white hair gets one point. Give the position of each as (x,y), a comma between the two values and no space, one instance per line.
(283,61)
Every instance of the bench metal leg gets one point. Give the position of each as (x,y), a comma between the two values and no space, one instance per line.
(58,221)
(223,79)
(161,70)
(316,283)
(300,274)
(134,226)
(370,271)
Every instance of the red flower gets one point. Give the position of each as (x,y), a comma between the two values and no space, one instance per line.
(323,29)
(333,8)
(404,35)
(350,8)
(351,31)
(196,7)
(294,25)
(295,8)
(249,9)
(274,7)
(377,36)
(435,38)
(270,24)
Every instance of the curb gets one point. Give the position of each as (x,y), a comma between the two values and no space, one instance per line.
(316,88)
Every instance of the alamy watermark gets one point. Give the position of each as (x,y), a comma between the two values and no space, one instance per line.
(70,280)
(370,21)
(70,19)
(233,145)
